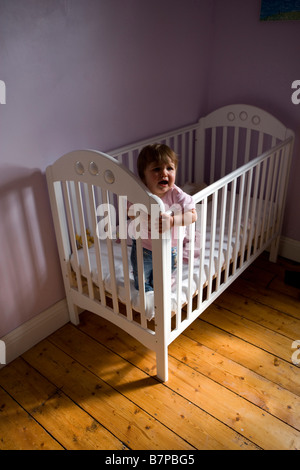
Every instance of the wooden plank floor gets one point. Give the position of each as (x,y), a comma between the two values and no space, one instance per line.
(232,385)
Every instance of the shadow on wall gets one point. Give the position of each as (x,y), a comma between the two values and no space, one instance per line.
(30,276)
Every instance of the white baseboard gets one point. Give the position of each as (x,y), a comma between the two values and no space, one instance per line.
(289,248)
(35,330)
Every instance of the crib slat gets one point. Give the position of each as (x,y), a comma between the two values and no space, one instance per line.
(141,279)
(140,268)
(110,253)
(191,229)
(260,143)
(247,146)
(123,237)
(72,234)
(211,267)
(179,275)
(213,155)
(87,210)
(126,279)
(230,228)
(92,201)
(65,242)
(175,144)
(190,155)
(260,203)
(131,160)
(246,231)
(267,204)
(286,157)
(84,240)
(224,151)
(277,190)
(253,220)
(281,190)
(238,223)
(222,229)
(187,148)
(272,213)
(277,199)
(75,210)
(60,205)
(182,156)
(203,226)
(235,148)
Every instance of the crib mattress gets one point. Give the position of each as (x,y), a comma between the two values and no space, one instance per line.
(149,296)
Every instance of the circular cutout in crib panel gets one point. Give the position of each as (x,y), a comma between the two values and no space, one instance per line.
(93,169)
(243,115)
(256,120)
(109,177)
(79,168)
(231,116)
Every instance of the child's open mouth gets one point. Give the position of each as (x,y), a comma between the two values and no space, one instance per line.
(163,183)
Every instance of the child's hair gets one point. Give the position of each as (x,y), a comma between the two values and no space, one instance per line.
(159,153)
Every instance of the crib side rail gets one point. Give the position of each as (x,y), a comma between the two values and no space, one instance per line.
(239,216)
(181,140)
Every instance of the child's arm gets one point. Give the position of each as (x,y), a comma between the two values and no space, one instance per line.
(168,220)
(185,218)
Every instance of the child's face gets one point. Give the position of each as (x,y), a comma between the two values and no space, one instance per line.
(160,177)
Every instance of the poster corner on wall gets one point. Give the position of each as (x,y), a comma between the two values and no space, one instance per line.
(279,10)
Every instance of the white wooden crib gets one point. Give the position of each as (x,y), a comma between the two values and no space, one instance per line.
(243,155)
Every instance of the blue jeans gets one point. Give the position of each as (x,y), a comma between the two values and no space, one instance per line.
(148,267)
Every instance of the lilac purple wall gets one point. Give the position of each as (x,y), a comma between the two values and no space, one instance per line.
(102,73)
(82,74)
(256,62)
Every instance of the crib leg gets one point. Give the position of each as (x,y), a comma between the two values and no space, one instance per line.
(162,364)
(73,313)
(274,250)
